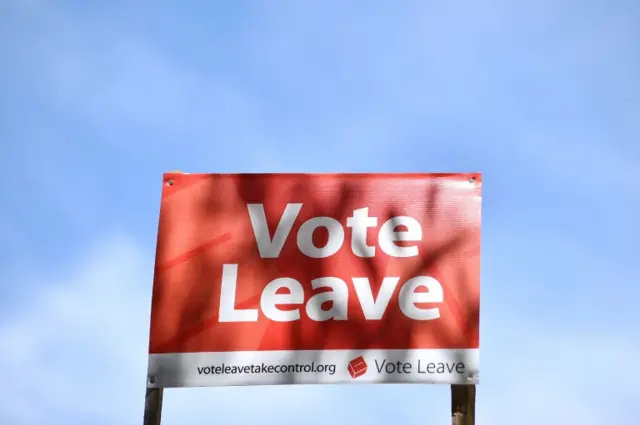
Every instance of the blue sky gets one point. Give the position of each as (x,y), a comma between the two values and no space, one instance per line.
(97,99)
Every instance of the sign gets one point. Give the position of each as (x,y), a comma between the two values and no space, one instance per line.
(316,278)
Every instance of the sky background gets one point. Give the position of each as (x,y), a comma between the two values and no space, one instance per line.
(98,99)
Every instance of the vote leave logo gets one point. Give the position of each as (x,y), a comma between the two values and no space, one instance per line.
(261,263)
(357,367)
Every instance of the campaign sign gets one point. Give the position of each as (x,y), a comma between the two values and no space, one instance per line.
(316,278)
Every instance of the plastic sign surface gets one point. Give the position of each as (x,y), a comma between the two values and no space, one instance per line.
(316,278)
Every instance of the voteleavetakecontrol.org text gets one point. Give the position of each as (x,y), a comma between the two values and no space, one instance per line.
(263,368)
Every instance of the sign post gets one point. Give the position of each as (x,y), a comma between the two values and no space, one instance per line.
(268,279)
(153,406)
(463,404)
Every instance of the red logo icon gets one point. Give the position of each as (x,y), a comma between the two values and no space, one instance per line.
(357,367)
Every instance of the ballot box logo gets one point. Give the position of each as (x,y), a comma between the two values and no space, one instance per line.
(357,367)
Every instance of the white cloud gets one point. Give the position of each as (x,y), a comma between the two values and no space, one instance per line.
(79,333)
(556,373)
(82,338)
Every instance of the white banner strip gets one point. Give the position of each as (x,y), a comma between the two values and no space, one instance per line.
(313,367)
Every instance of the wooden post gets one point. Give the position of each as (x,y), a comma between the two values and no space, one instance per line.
(463,404)
(153,406)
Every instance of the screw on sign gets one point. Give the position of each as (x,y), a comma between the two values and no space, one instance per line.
(267,279)
(357,367)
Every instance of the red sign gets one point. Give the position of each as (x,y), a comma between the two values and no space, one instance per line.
(313,278)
